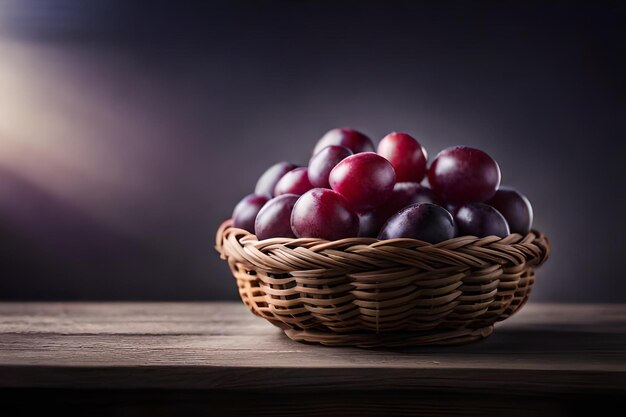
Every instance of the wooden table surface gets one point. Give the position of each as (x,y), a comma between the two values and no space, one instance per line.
(550,358)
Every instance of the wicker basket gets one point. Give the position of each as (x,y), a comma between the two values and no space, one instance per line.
(371,293)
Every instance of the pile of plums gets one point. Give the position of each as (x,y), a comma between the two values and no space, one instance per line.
(349,190)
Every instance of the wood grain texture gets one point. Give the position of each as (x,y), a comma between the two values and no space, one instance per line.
(545,350)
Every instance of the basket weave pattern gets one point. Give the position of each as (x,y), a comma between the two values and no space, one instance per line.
(366,292)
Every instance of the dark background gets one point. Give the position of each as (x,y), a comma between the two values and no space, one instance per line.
(129,130)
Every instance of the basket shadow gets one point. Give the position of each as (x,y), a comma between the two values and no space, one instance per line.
(566,342)
(547,343)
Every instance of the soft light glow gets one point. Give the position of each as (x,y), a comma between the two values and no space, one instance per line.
(58,131)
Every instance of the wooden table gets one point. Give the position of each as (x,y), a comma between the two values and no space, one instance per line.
(183,358)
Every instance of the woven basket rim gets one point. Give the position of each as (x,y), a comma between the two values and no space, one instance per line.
(248,237)
(283,255)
